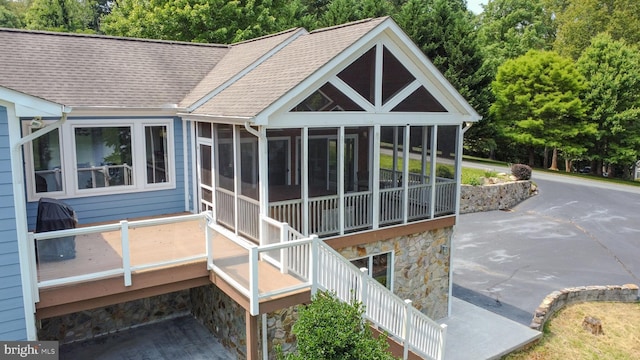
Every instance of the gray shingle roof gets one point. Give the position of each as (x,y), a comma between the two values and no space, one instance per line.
(81,70)
(276,76)
(100,71)
(240,57)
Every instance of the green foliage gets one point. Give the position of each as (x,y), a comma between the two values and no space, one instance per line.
(580,20)
(612,72)
(521,171)
(329,329)
(444,171)
(214,21)
(61,15)
(343,11)
(510,28)
(10,14)
(537,102)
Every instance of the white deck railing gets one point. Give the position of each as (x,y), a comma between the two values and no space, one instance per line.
(125,267)
(310,261)
(385,310)
(324,211)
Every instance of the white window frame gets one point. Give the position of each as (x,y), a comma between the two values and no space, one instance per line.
(68,159)
(390,266)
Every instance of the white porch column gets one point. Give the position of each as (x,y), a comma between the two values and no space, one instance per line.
(236,175)
(375,177)
(406,145)
(304,179)
(263,178)
(432,179)
(458,165)
(340,165)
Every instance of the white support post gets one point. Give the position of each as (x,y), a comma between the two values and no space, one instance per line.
(395,157)
(375,179)
(407,327)
(185,161)
(263,180)
(406,144)
(284,252)
(340,164)
(314,264)
(209,245)
(236,176)
(443,341)
(434,159)
(364,285)
(304,179)
(253,281)
(126,252)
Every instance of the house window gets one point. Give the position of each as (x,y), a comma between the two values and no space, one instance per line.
(104,156)
(95,157)
(47,164)
(379,267)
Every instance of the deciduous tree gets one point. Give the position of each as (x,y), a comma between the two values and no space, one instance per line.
(537,102)
(612,72)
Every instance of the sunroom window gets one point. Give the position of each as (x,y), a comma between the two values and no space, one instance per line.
(98,157)
(379,267)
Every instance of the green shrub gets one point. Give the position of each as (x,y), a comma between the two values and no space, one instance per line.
(521,171)
(329,329)
(444,171)
(475,181)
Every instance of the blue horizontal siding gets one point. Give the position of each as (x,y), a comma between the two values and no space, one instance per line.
(13,330)
(12,320)
(10,278)
(117,207)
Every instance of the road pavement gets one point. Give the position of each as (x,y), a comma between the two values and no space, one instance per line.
(573,233)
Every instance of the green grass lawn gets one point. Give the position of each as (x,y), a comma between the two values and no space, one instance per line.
(470,176)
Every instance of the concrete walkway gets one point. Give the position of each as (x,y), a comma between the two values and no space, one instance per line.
(182,338)
(476,333)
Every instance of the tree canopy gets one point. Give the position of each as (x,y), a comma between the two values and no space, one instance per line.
(612,72)
(537,102)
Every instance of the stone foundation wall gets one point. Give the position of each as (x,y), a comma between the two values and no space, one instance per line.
(222,316)
(105,320)
(421,267)
(494,196)
(559,299)
(279,326)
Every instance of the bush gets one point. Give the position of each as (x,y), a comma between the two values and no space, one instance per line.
(444,171)
(329,329)
(521,171)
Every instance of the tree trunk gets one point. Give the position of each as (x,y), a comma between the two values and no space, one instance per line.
(567,165)
(554,160)
(532,156)
(545,162)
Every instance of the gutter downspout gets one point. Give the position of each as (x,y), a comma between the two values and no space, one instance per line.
(25,250)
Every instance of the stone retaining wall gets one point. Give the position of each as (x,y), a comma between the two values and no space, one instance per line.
(559,299)
(495,196)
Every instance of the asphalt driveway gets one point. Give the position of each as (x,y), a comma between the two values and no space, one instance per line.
(571,234)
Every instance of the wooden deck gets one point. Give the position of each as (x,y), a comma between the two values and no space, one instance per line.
(149,245)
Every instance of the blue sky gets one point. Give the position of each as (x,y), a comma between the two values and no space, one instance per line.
(474,5)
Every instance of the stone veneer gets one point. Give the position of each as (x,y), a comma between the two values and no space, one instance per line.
(279,326)
(559,299)
(421,267)
(222,316)
(89,324)
(495,196)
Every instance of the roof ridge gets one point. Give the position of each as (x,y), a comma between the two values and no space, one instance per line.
(108,37)
(291,30)
(357,22)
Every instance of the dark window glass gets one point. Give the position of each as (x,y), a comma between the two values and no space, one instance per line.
(394,76)
(420,100)
(360,75)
